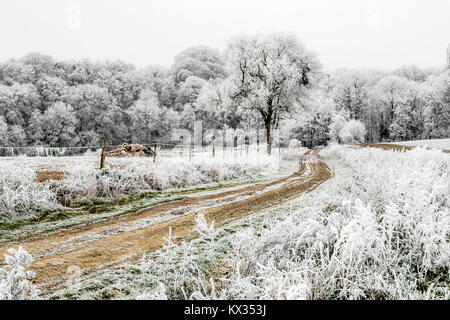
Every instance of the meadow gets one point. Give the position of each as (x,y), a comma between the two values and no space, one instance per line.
(379,229)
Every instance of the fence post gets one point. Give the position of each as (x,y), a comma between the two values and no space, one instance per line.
(102,157)
(214,150)
(190,152)
(154,152)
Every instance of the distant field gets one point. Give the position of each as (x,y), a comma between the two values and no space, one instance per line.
(32,185)
(438,143)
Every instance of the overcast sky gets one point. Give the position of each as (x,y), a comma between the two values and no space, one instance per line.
(344,33)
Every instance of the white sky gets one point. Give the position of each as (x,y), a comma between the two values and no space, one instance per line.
(344,33)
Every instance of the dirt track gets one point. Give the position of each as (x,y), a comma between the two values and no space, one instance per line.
(388,146)
(110,241)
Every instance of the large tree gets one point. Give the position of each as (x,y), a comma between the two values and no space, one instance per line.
(270,74)
(58,125)
(149,120)
(200,61)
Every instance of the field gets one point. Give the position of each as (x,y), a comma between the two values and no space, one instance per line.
(36,186)
(342,222)
(437,144)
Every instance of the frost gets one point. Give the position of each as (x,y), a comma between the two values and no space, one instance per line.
(158,294)
(21,196)
(378,231)
(15,279)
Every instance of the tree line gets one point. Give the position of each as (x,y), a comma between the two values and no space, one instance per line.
(408,103)
(262,81)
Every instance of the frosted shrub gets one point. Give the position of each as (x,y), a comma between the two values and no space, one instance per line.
(202,227)
(15,279)
(353,131)
(336,126)
(180,271)
(22,196)
(158,294)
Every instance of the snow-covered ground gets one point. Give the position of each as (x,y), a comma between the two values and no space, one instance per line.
(437,144)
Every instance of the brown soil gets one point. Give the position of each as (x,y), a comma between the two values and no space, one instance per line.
(130,150)
(51,268)
(42,176)
(387,146)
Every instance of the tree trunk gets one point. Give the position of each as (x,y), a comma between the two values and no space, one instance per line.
(268,138)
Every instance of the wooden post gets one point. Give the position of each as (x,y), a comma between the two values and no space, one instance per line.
(154,152)
(102,157)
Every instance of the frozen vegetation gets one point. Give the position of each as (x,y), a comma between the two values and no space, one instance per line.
(22,196)
(15,279)
(379,230)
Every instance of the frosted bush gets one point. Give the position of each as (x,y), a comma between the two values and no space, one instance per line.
(21,196)
(353,131)
(336,126)
(158,294)
(179,271)
(15,279)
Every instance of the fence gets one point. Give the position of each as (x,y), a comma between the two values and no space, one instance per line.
(188,151)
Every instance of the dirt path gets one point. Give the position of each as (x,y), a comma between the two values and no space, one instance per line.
(113,240)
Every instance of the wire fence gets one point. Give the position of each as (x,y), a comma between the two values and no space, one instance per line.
(162,150)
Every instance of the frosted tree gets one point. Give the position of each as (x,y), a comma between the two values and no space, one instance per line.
(149,120)
(189,90)
(97,110)
(390,93)
(17,102)
(201,61)
(58,125)
(17,136)
(159,80)
(13,71)
(3,132)
(408,116)
(217,109)
(411,72)
(270,74)
(350,92)
(35,128)
(313,130)
(121,80)
(51,90)
(436,98)
(40,63)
